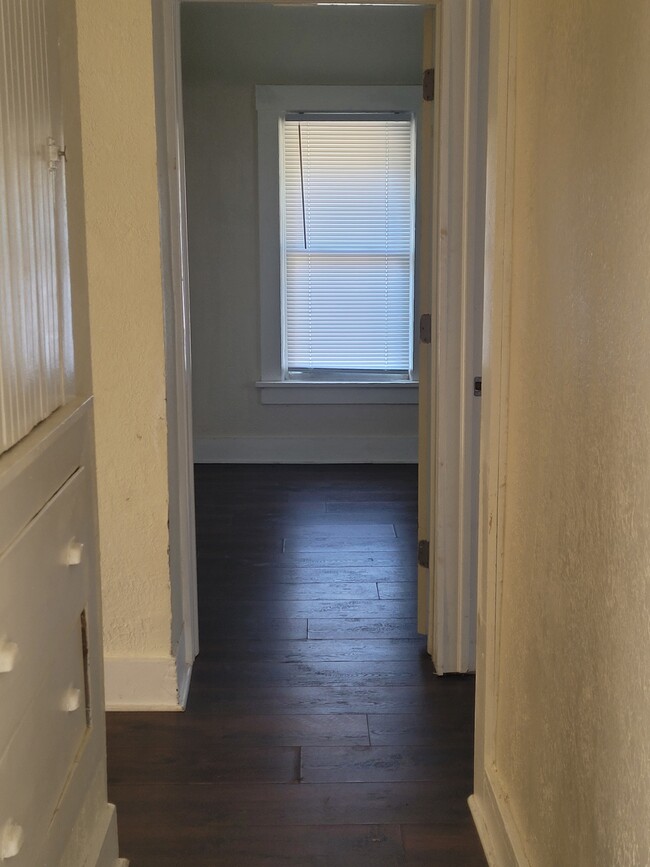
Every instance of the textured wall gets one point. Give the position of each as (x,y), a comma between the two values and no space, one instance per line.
(226,51)
(573,743)
(126,313)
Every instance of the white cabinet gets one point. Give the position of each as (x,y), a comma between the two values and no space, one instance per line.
(41,599)
(53,809)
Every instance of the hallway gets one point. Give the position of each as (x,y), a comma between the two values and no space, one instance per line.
(316,732)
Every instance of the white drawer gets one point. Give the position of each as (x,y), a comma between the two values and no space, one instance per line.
(41,598)
(37,762)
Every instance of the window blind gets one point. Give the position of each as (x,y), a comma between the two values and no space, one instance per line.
(348,211)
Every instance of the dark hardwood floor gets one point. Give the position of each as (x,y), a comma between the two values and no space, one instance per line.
(316,733)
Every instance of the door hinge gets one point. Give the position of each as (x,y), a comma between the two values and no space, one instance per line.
(55,154)
(478,385)
(425,328)
(428,84)
(423,553)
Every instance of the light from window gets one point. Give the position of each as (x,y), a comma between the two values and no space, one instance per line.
(347,226)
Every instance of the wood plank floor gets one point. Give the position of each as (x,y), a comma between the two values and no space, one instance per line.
(316,734)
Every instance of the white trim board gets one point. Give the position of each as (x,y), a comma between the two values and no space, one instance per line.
(306,450)
(461,31)
(496,828)
(166,22)
(490,803)
(106,843)
(285,392)
(147,683)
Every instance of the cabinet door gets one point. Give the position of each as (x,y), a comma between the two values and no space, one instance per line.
(34,298)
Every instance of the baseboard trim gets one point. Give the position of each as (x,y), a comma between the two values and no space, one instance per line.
(496,828)
(133,683)
(306,450)
(106,853)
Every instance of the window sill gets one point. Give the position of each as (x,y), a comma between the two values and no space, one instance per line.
(282,392)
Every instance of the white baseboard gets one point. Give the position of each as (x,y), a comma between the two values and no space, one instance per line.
(306,450)
(496,828)
(107,855)
(147,683)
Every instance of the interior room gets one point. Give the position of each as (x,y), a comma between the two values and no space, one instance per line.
(227,51)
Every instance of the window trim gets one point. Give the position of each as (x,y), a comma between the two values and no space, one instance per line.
(273,102)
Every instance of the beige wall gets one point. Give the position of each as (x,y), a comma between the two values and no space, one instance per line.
(226,52)
(127,327)
(573,717)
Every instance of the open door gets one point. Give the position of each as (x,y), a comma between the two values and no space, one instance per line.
(426,188)
(452,203)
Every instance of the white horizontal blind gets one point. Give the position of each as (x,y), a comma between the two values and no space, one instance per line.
(348,191)
(31,358)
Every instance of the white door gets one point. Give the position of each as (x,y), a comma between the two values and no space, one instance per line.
(453,188)
(52,753)
(426,248)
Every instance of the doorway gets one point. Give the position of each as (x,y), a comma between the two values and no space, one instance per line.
(454,180)
(452,177)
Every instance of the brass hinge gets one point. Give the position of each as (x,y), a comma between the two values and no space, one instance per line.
(428,84)
(423,553)
(425,328)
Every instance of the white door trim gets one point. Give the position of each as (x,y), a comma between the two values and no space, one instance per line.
(426,252)
(180,343)
(462,31)
(494,819)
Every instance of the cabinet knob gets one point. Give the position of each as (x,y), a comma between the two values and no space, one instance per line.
(11,840)
(71,699)
(8,655)
(74,553)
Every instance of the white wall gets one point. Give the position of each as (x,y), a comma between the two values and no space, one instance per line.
(226,52)
(572,699)
(142,623)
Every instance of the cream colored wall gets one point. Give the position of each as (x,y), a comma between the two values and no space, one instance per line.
(573,718)
(127,329)
(226,52)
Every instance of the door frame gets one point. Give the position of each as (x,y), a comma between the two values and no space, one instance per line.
(449,413)
(178,358)
(490,806)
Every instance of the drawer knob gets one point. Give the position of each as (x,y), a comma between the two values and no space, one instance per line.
(71,699)
(74,553)
(8,655)
(11,840)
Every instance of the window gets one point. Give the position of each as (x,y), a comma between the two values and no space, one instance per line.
(337,213)
(347,190)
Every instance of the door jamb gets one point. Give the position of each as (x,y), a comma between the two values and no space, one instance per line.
(489,804)
(181,414)
(459,173)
